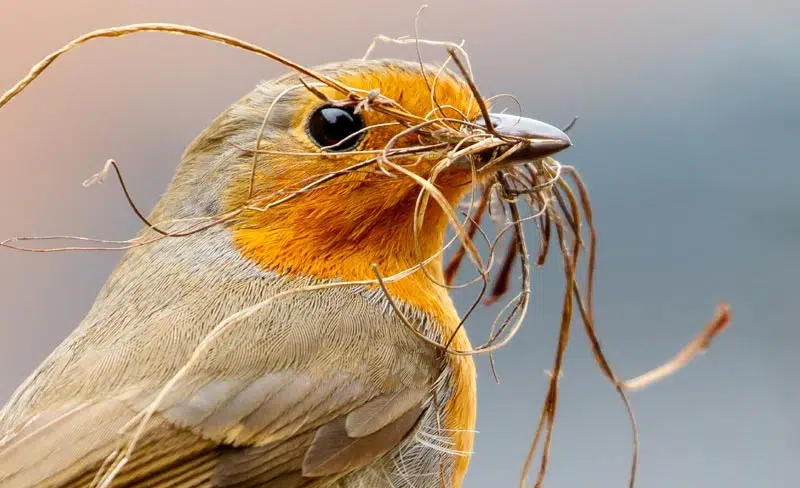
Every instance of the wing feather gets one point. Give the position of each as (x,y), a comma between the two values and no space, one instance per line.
(303,392)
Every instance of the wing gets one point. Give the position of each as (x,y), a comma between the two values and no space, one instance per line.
(303,392)
(279,430)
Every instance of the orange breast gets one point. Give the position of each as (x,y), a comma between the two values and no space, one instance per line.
(461,410)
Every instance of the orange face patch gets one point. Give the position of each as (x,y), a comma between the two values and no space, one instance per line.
(340,228)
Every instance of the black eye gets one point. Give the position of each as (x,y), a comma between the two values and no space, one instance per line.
(329,126)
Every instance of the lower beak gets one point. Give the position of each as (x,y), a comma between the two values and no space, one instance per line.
(542,139)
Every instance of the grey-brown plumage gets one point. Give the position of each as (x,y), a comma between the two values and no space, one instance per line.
(269,403)
(316,389)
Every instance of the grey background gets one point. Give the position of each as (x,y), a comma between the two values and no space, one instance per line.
(688,139)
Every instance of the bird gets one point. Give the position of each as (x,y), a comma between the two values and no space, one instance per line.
(324,388)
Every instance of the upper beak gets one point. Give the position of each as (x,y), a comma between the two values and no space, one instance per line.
(543,139)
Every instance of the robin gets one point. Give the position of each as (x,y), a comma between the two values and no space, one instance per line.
(327,388)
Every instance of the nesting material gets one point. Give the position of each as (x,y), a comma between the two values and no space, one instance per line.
(543,194)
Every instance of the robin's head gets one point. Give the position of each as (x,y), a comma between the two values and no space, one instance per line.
(305,159)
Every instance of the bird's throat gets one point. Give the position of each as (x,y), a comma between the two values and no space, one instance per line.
(328,239)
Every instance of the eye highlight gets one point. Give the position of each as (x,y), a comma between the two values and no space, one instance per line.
(334,126)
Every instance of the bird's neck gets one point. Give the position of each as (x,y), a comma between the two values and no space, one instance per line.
(343,239)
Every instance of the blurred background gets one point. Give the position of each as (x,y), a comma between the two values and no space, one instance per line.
(688,140)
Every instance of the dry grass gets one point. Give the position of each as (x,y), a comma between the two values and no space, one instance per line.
(554,197)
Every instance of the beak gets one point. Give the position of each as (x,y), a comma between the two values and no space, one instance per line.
(544,139)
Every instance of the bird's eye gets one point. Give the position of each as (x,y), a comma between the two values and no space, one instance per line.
(335,126)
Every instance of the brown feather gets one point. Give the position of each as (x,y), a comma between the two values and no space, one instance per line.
(333,451)
(383,410)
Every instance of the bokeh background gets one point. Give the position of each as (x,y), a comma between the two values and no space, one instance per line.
(688,139)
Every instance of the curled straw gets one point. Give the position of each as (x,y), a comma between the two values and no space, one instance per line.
(543,186)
